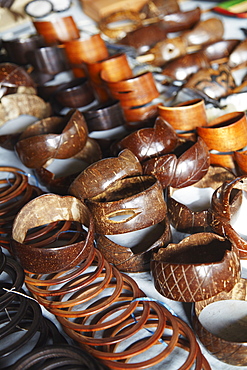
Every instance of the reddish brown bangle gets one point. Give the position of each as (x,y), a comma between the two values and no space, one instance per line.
(60,30)
(185,116)
(186,220)
(50,208)
(199,267)
(225,204)
(137,201)
(53,137)
(150,142)
(186,165)
(133,92)
(226,133)
(136,258)
(97,177)
(230,352)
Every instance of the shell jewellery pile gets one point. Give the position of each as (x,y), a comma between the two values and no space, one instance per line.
(133,128)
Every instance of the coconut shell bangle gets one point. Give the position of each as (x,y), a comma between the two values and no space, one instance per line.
(135,259)
(230,352)
(130,204)
(96,178)
(226,133)
(199,267)
(185,165)
(150,142)
(45,209)
(53,137)
(225,203)
(60,30)
(182,217)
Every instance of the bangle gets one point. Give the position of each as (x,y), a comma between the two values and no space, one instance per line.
(225,133)
(136,258)
(97,177)
(199,267)
(58,31)
(186,165)
(70,139)
(185,116)
(130,204)
(183,218)
(50,208)
(223,207)
(229,351)
(150,142)
(122,15)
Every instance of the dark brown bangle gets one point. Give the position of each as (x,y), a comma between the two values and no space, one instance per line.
(138,201)
(50,208)
(75,93)
(183,218)
(226,201)
(228,351)
(136,258)
(185,165)
(199,267)
(53,137)
(104,116)
(49,60)
(97,177)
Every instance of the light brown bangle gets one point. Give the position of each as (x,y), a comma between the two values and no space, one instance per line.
(43,210)
(226,133)
(137,202)
(185,116)
(230,352)
(199,267)
(58,31)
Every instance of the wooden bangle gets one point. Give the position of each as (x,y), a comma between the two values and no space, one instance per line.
(116,68)
(230,352)
(69,138)
(89,49)
(135,202)
(50,207)
(135,91)
(58,31)
(136,258)
(140,115)
(185,272)
(226,133)
(49,60)
(104,116)
(97,177)
(185,116)
(224,206)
